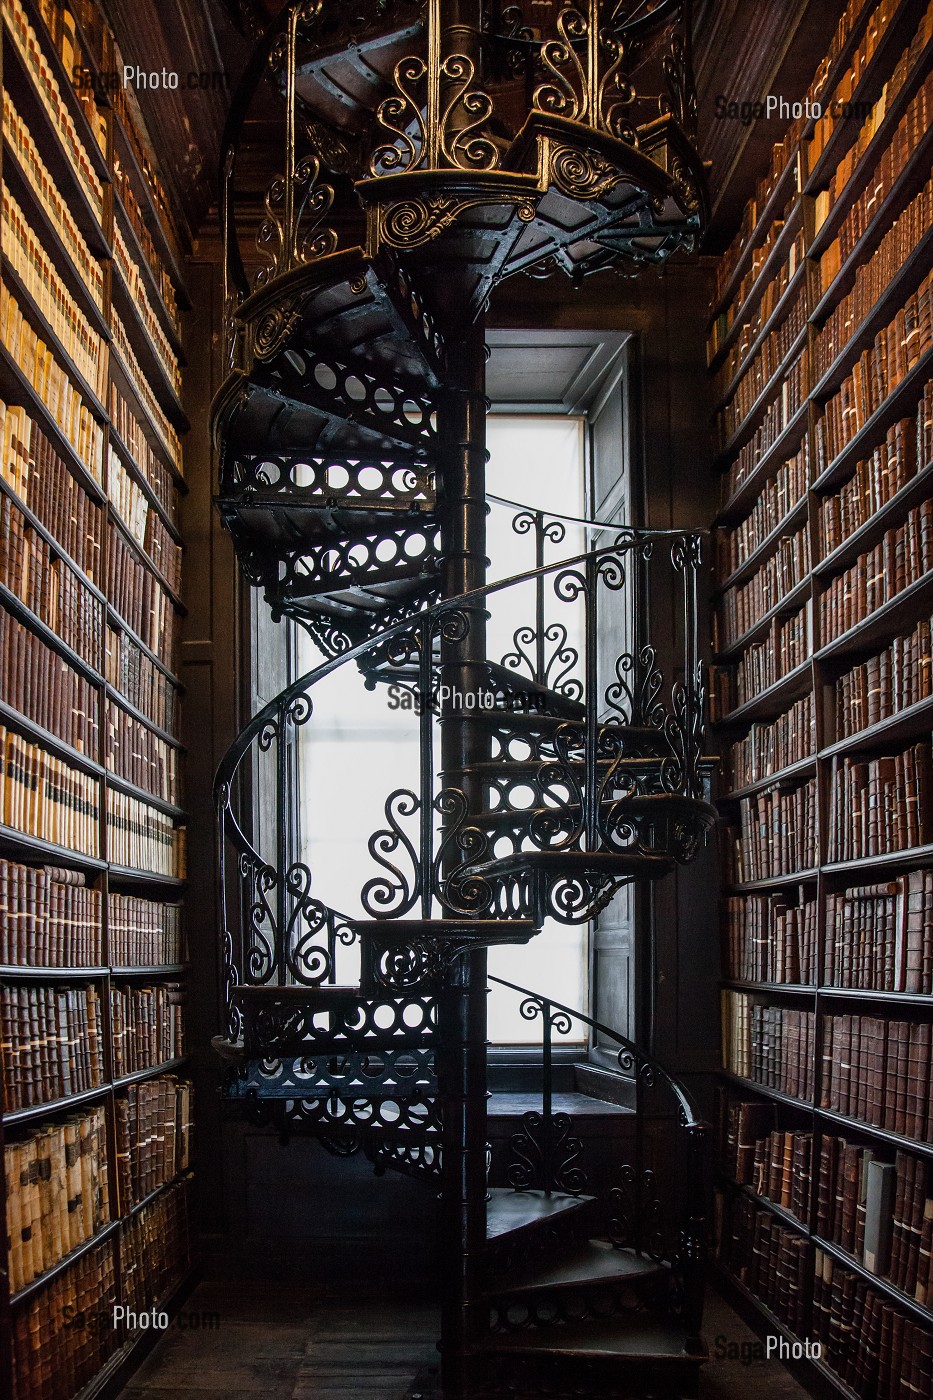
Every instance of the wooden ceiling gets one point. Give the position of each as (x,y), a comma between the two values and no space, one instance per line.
(743,49)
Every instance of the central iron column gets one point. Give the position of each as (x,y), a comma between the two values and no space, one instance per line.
(461,1058)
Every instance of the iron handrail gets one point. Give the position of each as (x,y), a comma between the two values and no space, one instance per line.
(689,1111)
(281,704)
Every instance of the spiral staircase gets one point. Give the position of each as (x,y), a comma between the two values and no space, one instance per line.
(429,152)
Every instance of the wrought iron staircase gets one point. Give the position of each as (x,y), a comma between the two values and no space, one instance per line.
(461,145)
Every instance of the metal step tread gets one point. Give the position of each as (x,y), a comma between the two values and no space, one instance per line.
(452,928)
(638,1336)
(508,1210)
(506,1105)
(627,864)
(596,1261)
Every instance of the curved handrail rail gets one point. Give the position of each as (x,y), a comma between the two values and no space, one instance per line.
(691,1116)
(580,519)
(280,704)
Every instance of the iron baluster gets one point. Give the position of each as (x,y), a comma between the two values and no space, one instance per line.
(547,1125)
(425,634)
(591,658)
(539,599)
(284,826)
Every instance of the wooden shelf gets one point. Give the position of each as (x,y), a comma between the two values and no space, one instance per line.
(771,270)
(773,204)
(35,624)
(898,610)
(130,875)
(765,1202)
(768,393)
(150,361)
(16,389)
(126,385)
(147,562)
(802,768)
(38,1283)
(139,476)
(874,429)
(890,860)
(143,718)
(24,973)
(40,325)
(44,1110)
(171,809)
(892,512)
(51,241)
(36,524)
(122,625)
(148,276)
(138,1076)
(867,90)
(774,882)
(770,702)
(783,447)
(905,281)
(786,605)
(794,518)
(18,81)
(908,723)
(22,843)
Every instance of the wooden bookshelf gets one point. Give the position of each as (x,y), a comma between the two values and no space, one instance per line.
(106,916)
(820,948)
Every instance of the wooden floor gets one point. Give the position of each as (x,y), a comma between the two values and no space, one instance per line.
(249,1340)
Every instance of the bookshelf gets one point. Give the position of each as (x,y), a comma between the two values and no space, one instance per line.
(820,348)
(95,1092)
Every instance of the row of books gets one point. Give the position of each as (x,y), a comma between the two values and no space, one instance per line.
(142,837)
(36,175)
(62,30)
(137,595)
(873,277)
(880,805)
(777,498)
(50,918)
(139,296)
(143,932)
(130,208)
(128,427)
(850,16)
(50,95)
(771,938)
(44,797)
(47,586)
(917,118)
(881,1212)
(848,80)
(869,204)
(137,678)
(42,481)
(768,1259)
(156,1246)
(774,1164)
(772,1045)
(767,360)
(142,521)
(27,257)
(136,753)
(898,560)
(767,748)
(876,479)
(144,392)
(147,1025)
(57,1193)
(741,606)
(886,683)
(786,647)
(896,349)
(52,385)
(41,685)
(762,251)
(881,936)
(777,833)
(875,1348)
(64,1334)
(52,1042)
(878,1071)
(153,1136)
(759,315)
(788,397)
